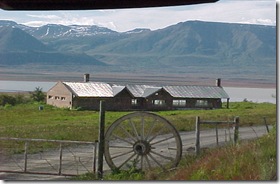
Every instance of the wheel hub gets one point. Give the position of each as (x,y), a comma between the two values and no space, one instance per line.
(142,147)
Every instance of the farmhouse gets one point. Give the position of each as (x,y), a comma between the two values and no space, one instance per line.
(87,95)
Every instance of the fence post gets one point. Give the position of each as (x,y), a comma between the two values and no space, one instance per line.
(217,134)
(101,139)
(225,135)
(25,156)
(197,133)
(94,157)
(60,159)
(264,119)
(236,129)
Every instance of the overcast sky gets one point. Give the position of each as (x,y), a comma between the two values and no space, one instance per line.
(233,11)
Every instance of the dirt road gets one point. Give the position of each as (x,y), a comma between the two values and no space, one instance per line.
(78,160)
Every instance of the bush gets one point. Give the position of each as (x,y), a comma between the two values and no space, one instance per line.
(37,95)
(6,99)
(13,99)
(21,99)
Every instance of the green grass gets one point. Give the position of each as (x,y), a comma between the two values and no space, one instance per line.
(250,161)
(26,121)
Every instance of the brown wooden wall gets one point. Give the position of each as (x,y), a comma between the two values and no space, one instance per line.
(121,101)
(162,95)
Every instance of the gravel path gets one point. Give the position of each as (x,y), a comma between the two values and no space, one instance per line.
(78,160)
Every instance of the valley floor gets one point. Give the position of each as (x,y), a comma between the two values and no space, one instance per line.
(145,77)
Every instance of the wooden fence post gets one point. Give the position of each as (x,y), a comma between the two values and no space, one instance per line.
(60,159)
(236,129)
(217,134)
(25,156)
(264,119)
(197,133)
(101,139)
(94,157)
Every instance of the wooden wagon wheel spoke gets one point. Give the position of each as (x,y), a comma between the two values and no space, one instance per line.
(122,154)
(155,160)
(143,139)
(165,157)
(134,129)
(162,140)
(127,133)
(151,129)
(147,160)
(118,137)
(127,160)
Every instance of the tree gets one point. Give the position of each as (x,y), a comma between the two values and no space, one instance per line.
(37,95)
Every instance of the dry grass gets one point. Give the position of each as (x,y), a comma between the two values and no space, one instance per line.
(247,161)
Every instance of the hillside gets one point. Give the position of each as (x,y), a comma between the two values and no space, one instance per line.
(191,49)
(19,48)
(196,43)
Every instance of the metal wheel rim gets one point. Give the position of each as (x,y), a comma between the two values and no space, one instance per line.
(139,144)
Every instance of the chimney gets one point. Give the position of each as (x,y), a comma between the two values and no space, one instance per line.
(218,82)
(86,77)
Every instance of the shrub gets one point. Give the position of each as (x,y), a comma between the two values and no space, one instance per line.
(6,99)
(37,95)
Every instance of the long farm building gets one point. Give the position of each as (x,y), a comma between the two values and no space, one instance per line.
(87,95)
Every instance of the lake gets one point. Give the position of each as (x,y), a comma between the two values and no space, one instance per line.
(236,94)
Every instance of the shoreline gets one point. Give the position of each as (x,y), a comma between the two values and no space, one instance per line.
(225,83)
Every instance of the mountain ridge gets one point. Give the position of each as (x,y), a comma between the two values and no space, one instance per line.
(193,47)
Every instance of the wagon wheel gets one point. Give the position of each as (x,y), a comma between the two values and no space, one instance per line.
(143,140)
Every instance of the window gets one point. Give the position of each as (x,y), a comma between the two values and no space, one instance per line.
(179,103)
(201,103)
(159,102)
(63,98)
(56,97)
(50,97)
(134,101)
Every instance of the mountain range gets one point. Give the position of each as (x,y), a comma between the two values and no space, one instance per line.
(197,47)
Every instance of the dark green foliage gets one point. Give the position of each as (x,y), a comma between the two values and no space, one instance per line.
(7,99)
(85,177)
(131,174)
(37,95)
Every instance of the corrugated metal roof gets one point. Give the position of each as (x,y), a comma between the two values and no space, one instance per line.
(90,89)
(196,91)
(137,90)
(100,89)
(150,90)
(117,89)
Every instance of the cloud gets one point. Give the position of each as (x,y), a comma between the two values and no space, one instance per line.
(35,23)
(249,12)
(238,11)
(42,16)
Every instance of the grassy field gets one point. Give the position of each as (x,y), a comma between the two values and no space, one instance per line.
(247,161)
(27,121)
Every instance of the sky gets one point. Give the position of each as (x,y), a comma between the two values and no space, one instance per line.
(233,11)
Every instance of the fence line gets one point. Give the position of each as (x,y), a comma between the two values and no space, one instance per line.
(26,159)
(235,122)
